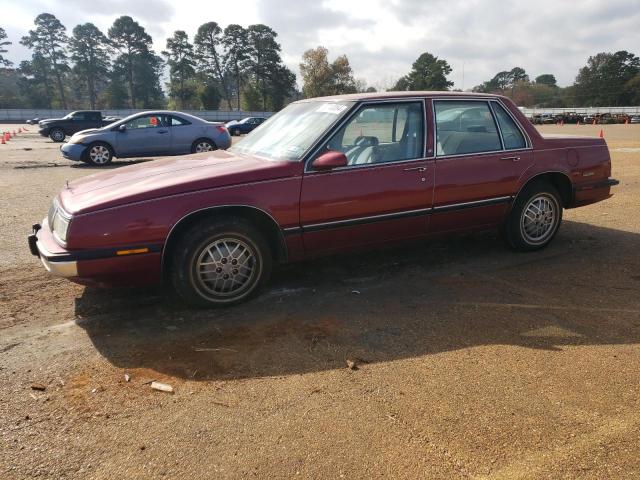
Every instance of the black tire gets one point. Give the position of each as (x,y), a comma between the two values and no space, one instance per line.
(535,217)
(98,154)
(198,145)
(57,135)
(208,289)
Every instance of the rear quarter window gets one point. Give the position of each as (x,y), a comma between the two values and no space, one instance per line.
(511,134)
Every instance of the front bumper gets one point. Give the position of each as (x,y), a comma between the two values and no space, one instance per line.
(44,131)
(136,265)
(73,151)
(56,264)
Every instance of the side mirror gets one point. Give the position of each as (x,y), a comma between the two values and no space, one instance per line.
(330,160)
(122,128)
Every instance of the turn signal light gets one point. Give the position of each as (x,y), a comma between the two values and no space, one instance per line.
(132,251)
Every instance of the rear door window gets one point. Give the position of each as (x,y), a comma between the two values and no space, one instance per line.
(465,127)
(176,121)
(511,134)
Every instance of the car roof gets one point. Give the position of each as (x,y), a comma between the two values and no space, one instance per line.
(167,112)
(356,97)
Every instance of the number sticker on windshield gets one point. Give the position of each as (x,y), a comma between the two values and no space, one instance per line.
(333,108)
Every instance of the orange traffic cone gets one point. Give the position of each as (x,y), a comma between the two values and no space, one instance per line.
(594,121)
(3,142)
(7,136)
(601,133)
(14,133)
(19,130)
(578,122)
(561,123)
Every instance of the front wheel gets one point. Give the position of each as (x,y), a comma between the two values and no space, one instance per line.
(57,135)
(535,218)
(99,154)
(220,262)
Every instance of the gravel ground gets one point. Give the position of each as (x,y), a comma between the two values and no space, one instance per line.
(471,361)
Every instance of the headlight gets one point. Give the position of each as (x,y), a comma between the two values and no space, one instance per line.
(59,221)
(76,140)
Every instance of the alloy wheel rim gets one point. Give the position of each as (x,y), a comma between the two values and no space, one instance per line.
(57,135)
(539,219)
(99,154)
(226,267)
(203,147)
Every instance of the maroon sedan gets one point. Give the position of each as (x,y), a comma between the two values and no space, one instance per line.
(324,175)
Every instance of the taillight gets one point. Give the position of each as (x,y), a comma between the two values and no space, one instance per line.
(221,129)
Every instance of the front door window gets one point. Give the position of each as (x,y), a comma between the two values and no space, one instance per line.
(382,133)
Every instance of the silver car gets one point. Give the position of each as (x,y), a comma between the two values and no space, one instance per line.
(147,134)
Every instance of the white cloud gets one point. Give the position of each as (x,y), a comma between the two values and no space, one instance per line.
(383,37)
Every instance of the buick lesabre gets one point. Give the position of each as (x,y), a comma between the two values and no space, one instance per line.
(324,175)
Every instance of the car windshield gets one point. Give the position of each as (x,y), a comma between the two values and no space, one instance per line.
(292,131)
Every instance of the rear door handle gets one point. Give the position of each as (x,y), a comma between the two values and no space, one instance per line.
(513,159)
(419,169)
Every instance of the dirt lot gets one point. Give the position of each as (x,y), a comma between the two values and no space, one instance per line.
(474,362)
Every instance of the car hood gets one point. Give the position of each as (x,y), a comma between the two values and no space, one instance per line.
(51,120)
(88,131)
(169,176)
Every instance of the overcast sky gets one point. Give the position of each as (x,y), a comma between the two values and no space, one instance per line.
(382,38)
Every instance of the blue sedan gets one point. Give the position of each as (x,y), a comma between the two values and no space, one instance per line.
(147,134)
(245,125)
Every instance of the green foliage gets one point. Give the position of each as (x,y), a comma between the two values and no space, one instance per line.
(264,66)
(181,60)
(547,79)
(34,83)
(115,95)
(428,72)
(136,63)
(49,40)
(251,97)
(322,78)
(4,43)
(10,92)
(210,58)
(90,51)
(209,96)
(234,41)
(603,81)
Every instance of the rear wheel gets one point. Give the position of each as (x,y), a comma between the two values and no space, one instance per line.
(99,154)
(203,145)
(57,135)
(235,132)
(219,263)
(535,218)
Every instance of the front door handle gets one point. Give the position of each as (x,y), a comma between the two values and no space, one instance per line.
(513,159)
(419,169)
(162,131)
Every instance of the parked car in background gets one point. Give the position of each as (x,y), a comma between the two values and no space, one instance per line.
(146,134)
(244,126)
(33,121)
(322,176)
(635,119)
(544,119)
(59,128)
